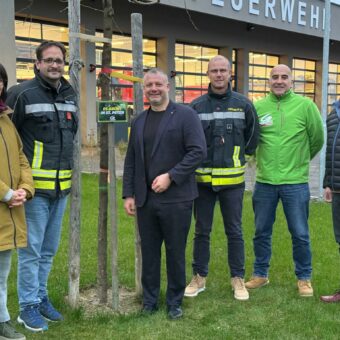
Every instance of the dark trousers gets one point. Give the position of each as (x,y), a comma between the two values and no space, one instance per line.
(336,216)
(231,202)
(168,222)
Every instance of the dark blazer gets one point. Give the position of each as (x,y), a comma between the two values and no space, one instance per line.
(179,149)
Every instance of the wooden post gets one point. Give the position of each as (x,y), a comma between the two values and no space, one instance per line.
(105,84)
(113,217)
(74,234)
(138,106)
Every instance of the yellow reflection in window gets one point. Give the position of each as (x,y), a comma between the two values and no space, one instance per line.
(56,33)
(192,51)
(179,49)
(179,64)
(149,61)
(122,59)
(27,29)
(24,71)
(149,46)
(298,63)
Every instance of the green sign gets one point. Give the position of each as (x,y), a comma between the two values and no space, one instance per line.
(112,111)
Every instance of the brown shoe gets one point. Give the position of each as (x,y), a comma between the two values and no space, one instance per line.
(240,291)
(331,298)
(305,288)
(196,286)
(256,282)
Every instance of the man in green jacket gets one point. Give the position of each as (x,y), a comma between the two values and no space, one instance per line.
(291,134)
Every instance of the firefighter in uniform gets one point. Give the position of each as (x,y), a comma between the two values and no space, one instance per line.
(231,130)
(45,116)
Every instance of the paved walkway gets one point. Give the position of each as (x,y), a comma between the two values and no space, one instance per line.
(90,164)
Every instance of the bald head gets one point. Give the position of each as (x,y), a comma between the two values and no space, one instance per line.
(219,73)
(280,80)
(218,58)
(281,68)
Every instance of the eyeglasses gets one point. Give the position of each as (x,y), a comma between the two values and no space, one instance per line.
(51,61)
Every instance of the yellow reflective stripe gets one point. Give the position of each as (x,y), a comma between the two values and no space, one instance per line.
(221,171)
(49,185)
(65,185)
(227,181)
(65,173)
(38,154)
(204,170)
(228,171)
(44,173)
(203,179)
(236,156)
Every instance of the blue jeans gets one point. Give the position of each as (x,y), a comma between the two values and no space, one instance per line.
(5,266)
(295,202)
(44,220)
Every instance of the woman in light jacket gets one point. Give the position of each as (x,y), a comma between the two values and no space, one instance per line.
(16,186)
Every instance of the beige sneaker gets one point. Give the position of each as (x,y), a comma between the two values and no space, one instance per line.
(196,286)
(240,291)
(305,288)
(256,282)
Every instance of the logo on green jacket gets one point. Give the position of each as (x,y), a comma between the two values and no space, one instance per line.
(266,120)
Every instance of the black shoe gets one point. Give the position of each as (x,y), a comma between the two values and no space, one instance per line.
(175,312)
(149,309)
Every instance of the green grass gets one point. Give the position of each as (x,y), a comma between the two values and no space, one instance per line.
(273,312)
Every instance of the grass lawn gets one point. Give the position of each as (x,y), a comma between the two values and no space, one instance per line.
(273,312)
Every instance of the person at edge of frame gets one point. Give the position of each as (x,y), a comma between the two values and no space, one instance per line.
(331,182)
(16,186)
(166,145)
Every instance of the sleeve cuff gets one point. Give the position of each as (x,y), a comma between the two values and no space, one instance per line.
(8,196)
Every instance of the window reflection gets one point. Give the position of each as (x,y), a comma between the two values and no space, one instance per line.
(191,62)
(260,65)
(122,62)
(304,77)
(333,85)
(29,35)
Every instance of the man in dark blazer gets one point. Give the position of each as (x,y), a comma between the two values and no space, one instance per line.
(166,145)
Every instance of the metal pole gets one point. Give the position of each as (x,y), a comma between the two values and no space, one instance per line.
(138,105)
(324,111)
(74,233)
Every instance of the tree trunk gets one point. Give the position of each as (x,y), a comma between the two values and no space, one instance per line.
(138,105)
(74,233)
(105,84)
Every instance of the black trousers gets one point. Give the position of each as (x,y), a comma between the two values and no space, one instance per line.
(231,202)
(168,222)
(336,216)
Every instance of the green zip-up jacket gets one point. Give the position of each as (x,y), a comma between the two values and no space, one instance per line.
(291,134)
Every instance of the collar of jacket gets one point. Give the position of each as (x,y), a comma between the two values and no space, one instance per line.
(286,96)
(6,112)
(217,95)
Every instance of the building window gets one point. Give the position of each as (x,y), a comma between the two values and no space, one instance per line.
(191,66)
(260,65)
(28,35)
(333,84)
(304,77)
(122,62)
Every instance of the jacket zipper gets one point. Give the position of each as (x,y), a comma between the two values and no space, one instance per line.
(10,175)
